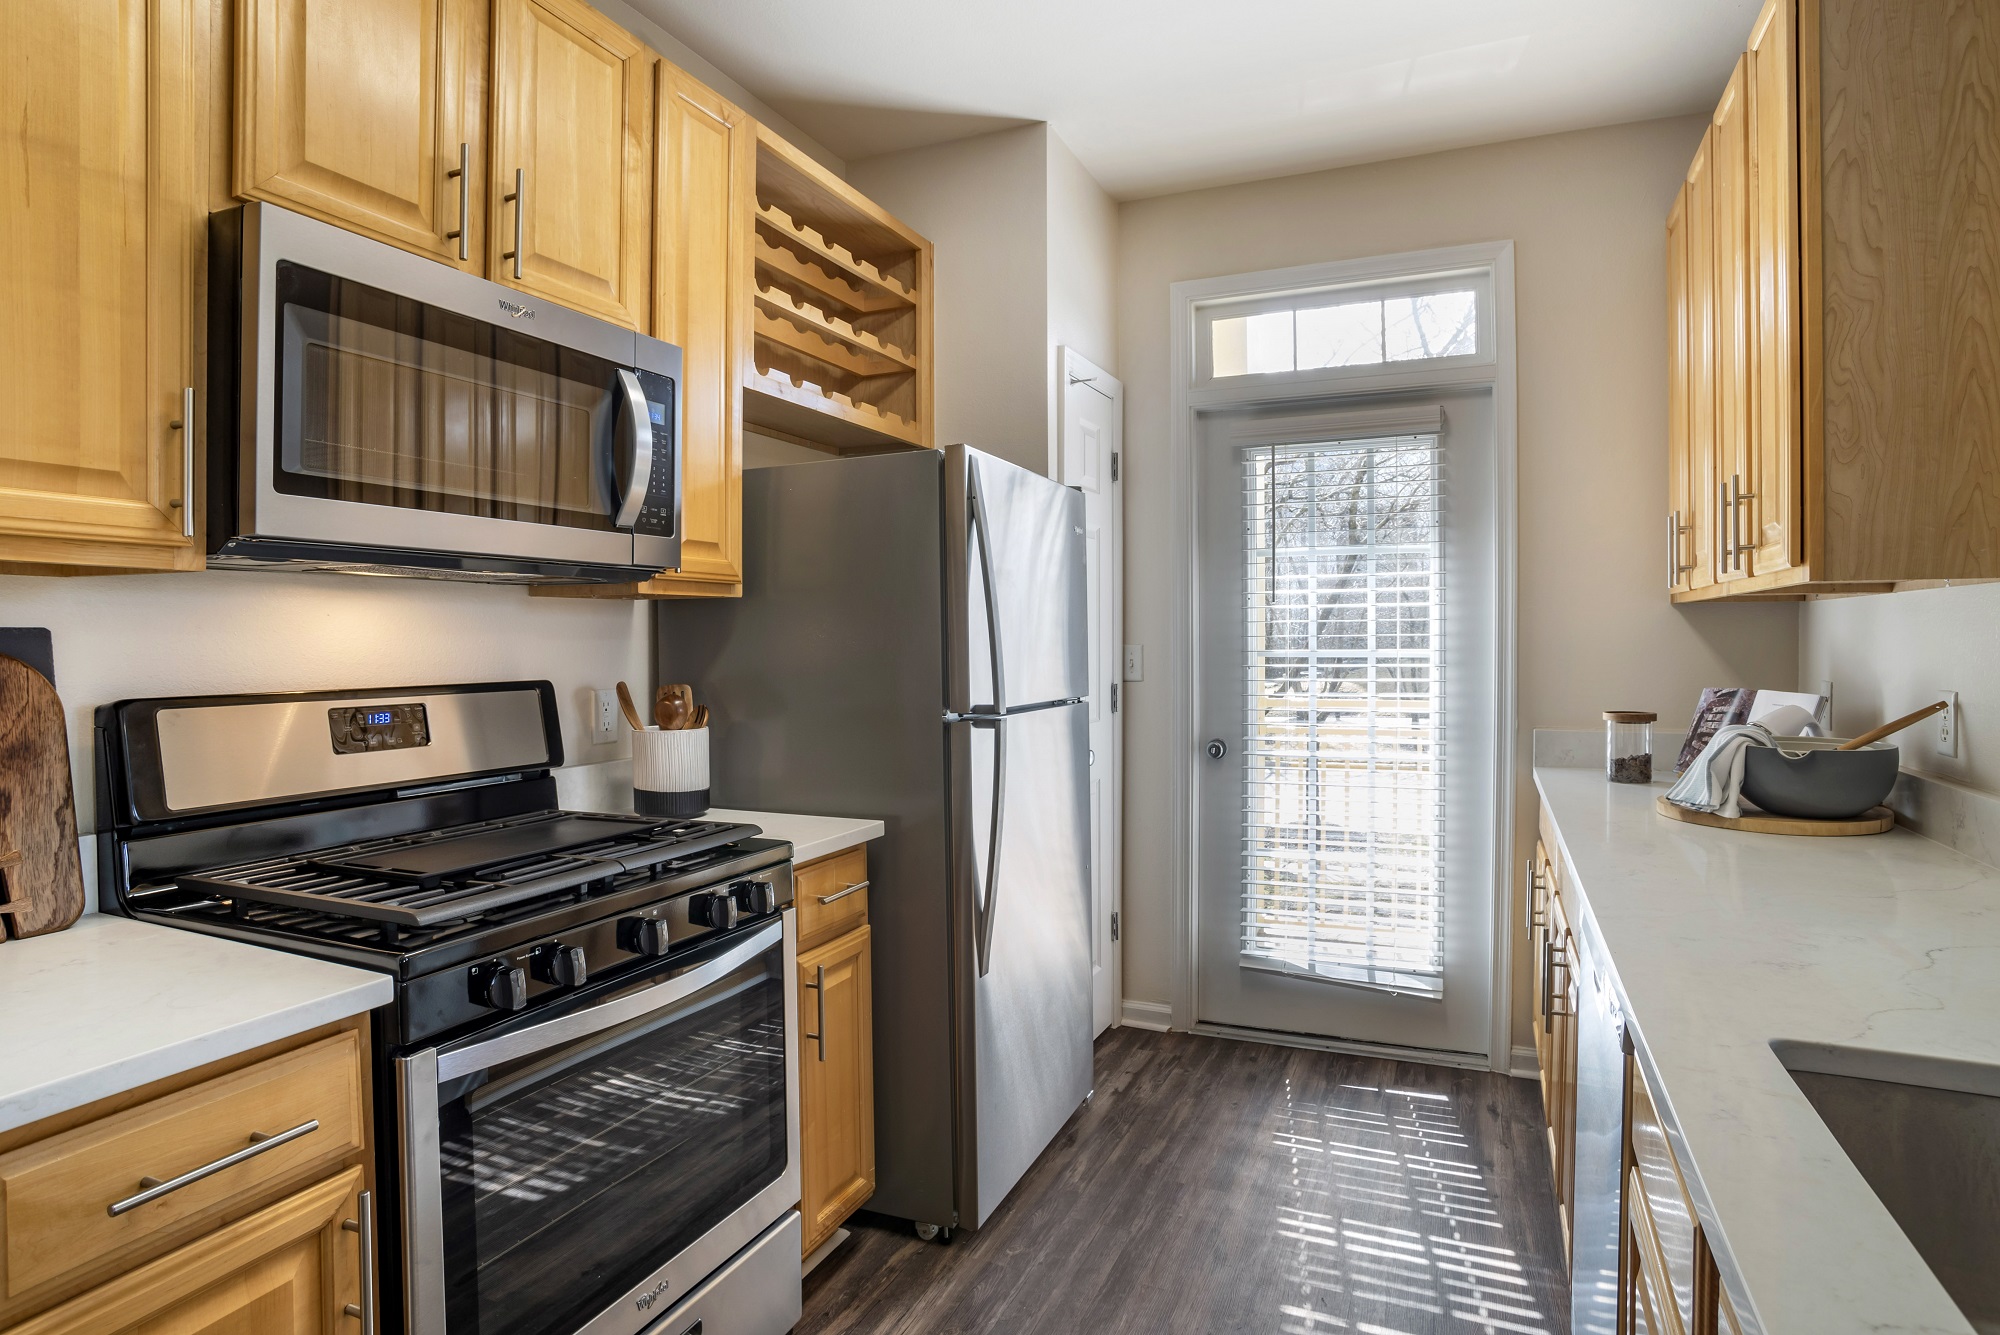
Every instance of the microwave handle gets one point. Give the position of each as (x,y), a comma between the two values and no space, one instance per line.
(632,444)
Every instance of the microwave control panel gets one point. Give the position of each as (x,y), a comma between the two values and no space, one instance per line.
(656,515)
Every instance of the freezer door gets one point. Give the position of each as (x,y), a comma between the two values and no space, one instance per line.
(1024,1021)
(1014,575)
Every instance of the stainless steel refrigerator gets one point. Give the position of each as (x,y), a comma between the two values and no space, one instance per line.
(910,645)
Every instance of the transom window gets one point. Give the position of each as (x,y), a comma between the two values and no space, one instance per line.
(1326,332)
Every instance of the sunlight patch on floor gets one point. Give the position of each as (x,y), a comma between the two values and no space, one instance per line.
(1391,1219)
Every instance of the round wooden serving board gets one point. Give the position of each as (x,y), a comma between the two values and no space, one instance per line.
(1874,821)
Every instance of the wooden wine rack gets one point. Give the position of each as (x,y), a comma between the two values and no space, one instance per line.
(840,313)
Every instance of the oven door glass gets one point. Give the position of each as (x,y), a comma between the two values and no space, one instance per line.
(572,1173)
(385,400)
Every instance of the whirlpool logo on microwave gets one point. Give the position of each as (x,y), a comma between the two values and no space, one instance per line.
(658,1291)
(515,309)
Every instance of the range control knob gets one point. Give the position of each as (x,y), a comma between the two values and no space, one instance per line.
(643,936)
(757,897)
(717,910)
(564,966)
(500,985)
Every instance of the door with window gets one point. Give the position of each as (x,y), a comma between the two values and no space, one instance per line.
(1347,583)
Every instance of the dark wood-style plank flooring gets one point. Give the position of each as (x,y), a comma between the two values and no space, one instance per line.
(1214,1187)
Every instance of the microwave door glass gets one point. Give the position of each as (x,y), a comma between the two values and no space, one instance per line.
(384,400)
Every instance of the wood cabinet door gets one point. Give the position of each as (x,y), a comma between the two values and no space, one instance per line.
(701,283)
(360,113)
(569,204)
(1776,435)
(100,207)
(289,1269)
(1735,328)
(1705,538)
(1681,548)
(837,1084)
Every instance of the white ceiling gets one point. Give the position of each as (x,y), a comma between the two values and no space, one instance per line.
(1163,95)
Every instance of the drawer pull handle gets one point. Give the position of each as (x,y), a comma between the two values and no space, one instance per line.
(259,1144)
(856,888)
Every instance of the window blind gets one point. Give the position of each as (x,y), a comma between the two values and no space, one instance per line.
(1343,823)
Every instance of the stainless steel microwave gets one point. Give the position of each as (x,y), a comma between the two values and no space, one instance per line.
(377,412)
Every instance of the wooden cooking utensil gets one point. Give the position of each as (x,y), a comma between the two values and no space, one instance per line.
(41,879)
(700,717)
(630,710)
(1894,726)
(667,710)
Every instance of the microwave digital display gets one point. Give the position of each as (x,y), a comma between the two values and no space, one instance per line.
(658,412)
(358,728)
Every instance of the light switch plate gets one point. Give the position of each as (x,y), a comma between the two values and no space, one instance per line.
(1135,662)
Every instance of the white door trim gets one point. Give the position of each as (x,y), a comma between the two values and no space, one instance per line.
(1188,400)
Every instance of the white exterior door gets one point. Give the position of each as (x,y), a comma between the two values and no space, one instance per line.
(1090,445)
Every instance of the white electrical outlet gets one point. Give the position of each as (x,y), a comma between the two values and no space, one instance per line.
(1947,724)
(1135,662)
(603,717)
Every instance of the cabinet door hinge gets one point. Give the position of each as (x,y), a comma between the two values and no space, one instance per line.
(1114,926)
(1114,697)
(1114,465)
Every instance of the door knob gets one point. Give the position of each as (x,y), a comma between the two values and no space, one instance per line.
(1217,748)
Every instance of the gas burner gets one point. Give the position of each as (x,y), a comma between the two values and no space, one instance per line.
(437,878)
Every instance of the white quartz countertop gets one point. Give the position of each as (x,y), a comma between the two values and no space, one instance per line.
(111,1004)
(810,836)
(1721,943)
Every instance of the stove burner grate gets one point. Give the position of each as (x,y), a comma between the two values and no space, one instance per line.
(364,880)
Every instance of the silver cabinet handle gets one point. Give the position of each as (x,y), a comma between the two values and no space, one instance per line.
(185,425)
(463,234)
(259,1144)
(1737,497)
(818,985)
(519,199)
(1677,529)
(856,888)
(364,1228)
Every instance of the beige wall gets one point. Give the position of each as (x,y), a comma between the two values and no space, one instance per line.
(1889,653)
(218,631)
(1586,212)
(1083,266)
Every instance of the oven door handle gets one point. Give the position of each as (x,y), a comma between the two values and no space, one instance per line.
(632,444)
(619,1010)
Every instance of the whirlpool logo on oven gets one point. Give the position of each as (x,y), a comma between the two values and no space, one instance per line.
(653,1295)
(515,309)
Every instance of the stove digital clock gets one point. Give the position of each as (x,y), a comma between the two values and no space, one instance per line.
(357,728)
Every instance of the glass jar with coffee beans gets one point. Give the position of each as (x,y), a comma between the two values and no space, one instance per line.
(1628,745)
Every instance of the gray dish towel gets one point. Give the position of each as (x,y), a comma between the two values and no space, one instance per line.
(1714,782)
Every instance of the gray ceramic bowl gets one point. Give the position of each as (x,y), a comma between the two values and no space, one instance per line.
(1824,784)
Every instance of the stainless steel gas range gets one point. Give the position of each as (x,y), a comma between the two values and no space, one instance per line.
(587,1085)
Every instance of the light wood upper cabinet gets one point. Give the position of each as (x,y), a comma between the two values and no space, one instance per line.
(1735,461)
(1774,294)
(570,202)
(290,1269)
(1850,304)
(361,112)
(706,154)
(100,204)
(836,1084)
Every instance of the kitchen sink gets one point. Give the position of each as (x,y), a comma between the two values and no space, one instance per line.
(1925,1133)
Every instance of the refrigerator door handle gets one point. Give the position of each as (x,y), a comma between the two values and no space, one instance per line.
(988,908)
(977,504)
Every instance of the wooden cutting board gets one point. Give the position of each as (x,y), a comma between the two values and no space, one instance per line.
(1876,820)
(43,887)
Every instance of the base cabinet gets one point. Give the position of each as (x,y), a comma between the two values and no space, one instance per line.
(836,1044)
(293,1268)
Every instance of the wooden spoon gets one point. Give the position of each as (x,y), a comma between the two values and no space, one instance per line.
(1893,726)
(700,717)
(630,710)
(667,709)
(685,694)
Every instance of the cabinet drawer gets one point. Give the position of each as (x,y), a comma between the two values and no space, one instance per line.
(829,903)
(56,1195)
